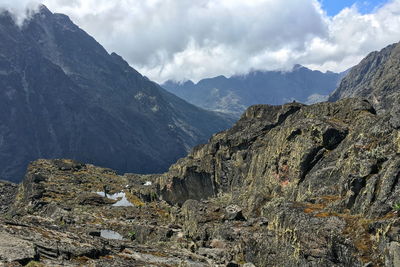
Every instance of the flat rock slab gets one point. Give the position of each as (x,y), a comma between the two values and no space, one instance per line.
(15,249)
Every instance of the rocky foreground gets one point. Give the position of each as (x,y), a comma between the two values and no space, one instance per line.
(288,185)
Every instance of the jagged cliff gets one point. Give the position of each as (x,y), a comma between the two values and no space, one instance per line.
(289,185)
(377,79)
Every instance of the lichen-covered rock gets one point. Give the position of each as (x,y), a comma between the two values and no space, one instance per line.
(14,249)
(8,191)
(337,163)
(233,212)
(289,185)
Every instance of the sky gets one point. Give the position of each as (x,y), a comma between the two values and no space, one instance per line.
(186,39)
(333,7)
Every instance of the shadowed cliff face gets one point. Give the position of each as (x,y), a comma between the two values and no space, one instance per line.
(377,79)
(289,185)
(63,95)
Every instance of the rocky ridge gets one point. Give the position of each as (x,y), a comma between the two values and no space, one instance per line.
(289,185)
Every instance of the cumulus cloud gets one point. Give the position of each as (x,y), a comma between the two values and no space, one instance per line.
(185,39)
(193,39)
(352,35)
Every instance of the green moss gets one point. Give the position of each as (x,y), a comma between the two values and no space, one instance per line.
(396,207)
(132,235)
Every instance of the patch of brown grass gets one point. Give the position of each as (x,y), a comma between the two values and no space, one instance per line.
(323,214)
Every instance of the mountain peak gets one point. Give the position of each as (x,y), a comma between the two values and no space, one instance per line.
(64,95)
(43,10)
(298,67)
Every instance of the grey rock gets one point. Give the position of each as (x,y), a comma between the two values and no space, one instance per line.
(8,192)
(233,213)
(95,199)
(393,256)
(14,249)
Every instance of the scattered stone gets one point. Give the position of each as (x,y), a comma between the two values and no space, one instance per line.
(234,213)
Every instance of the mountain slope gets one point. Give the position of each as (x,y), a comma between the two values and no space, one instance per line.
(63,95)
(375,78)
(235,94)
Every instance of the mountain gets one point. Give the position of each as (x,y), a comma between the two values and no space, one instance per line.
(289,185)
(375,78)
(63,95)
(235,94)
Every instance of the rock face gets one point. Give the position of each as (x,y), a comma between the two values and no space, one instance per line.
(63,95)
(377,79)
(289,185)
(233,95)
(13,249)
(7,195)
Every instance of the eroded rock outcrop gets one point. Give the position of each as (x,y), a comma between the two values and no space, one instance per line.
(330,167)
(289,185)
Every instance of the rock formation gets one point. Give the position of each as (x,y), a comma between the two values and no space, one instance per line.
(289,185)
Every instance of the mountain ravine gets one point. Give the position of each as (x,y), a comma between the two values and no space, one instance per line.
(63,95)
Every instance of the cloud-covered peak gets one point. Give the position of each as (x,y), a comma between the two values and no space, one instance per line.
(185,39)
(19,9)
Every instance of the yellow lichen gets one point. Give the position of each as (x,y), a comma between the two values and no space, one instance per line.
(134,200)
(35,264)
(397,141)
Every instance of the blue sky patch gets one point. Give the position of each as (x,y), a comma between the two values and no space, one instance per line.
(333,7)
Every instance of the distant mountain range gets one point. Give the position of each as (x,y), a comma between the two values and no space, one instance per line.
(235,94)
(63,95)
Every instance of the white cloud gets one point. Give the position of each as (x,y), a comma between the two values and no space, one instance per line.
(20,9)
(180,39)
(352,35)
